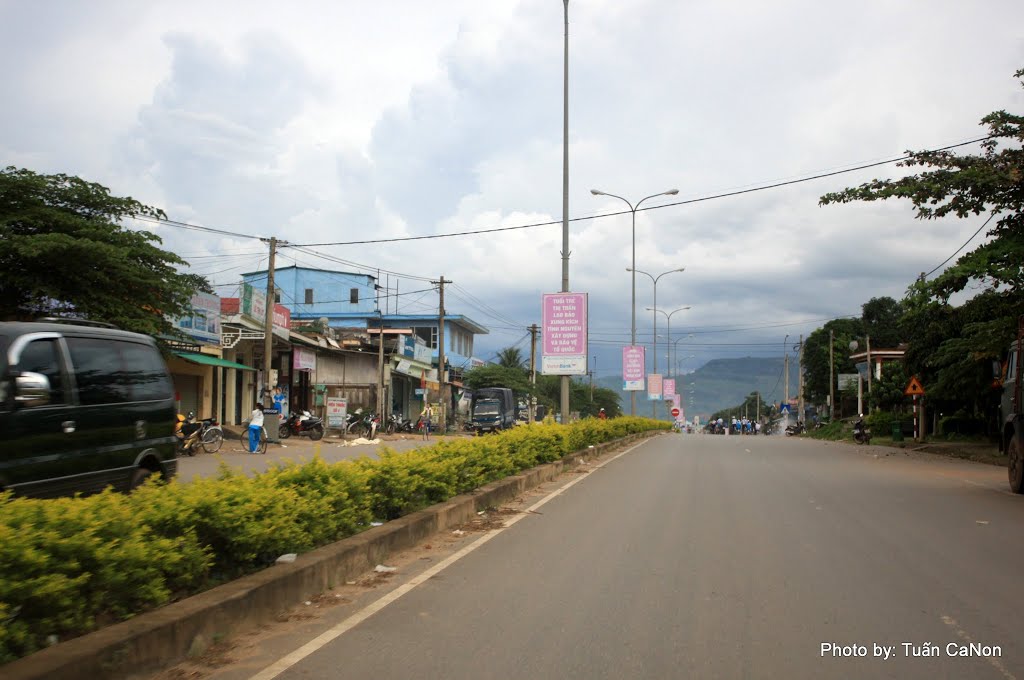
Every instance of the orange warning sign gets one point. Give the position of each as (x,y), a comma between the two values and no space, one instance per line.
(913,388)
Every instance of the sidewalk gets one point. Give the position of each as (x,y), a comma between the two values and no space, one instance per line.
(979,452)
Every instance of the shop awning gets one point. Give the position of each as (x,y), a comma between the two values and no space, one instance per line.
(208,360)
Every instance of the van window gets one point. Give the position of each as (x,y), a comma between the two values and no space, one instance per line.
(145,372)
(42,356)
(98,371)
(1011,367)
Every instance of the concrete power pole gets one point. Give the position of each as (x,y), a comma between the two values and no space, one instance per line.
(445,398)
(800,378)
(533,371)
(268,325)
(831,378)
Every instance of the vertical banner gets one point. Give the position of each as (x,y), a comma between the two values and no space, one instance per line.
(653,386)
(633,368)
(668,388)
(677,402)
(565,334)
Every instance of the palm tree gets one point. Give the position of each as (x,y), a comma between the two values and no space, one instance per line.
(511,357)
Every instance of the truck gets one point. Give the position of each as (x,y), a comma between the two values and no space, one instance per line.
(1012,414)
(492,409)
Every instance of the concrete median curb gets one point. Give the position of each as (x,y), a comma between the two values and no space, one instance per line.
(163,637)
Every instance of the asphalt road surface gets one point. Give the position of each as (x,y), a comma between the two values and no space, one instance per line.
(692,557)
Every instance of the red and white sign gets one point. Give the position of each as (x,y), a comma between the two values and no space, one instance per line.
(675,413)
(654,386)
(565,334)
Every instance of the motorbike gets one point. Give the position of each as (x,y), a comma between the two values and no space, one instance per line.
(792,430)
(302,423)
(192,434)
(861,434)
(397,423)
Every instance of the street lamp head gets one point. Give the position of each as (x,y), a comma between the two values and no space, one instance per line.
(597,192)
(672,192)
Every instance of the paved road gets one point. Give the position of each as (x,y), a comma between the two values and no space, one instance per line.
(331,449)
(704,557)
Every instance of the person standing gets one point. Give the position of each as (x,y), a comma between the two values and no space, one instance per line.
(428,417)
(255,428)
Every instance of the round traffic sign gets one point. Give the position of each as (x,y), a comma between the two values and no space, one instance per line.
(675,413)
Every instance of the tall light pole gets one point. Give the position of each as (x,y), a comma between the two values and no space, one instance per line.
(675,349)
(654,349)
(564,400)
(633,209)
(668,342)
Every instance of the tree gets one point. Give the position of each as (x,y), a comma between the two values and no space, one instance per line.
(952,343)
(63,252)
(816,356)
(881,317)
(511,357)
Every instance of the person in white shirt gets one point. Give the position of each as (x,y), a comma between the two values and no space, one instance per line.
(255,428)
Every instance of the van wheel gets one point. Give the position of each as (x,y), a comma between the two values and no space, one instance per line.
(140,476)
(1015,464)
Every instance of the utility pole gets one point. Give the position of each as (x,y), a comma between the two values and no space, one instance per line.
(800,378)
(380,370)
(445,399)
(268,325)
(533,371)
(831,378)
(871,370)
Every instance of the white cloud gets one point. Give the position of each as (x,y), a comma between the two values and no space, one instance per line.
(351,121)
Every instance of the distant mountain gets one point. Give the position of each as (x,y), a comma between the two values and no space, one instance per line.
(718,384)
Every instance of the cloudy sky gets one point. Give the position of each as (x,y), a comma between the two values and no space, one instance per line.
(344,121)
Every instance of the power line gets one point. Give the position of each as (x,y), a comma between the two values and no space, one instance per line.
(963,246)
(727,194)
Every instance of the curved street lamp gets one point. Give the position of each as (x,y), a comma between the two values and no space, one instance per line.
(654,350)
(633,209)
(668,343)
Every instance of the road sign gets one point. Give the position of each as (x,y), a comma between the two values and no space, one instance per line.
(675,413)
(784,408)
(913,388)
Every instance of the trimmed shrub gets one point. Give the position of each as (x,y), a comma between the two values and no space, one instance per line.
(70,565)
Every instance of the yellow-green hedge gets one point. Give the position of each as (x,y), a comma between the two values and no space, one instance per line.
(70,565)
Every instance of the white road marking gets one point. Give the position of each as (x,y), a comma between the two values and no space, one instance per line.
(286,662)
(962,634)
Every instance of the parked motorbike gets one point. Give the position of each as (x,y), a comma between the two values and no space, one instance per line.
(193,434)
(302,423)
(792,430)
(397,423)
(861,434)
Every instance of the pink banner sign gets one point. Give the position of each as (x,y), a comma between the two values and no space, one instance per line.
(633,368)
(654,386)
(669,385)
(565,324)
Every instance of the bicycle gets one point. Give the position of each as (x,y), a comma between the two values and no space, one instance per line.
(212,438)
(244,438)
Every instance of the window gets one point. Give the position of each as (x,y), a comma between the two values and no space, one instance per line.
(43,356)
(309,296)
(277,297)
(98,371)
(145,372)
(353,296)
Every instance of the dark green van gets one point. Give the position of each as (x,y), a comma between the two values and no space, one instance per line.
(82,407)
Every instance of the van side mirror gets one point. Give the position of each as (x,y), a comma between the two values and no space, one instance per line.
(31,389)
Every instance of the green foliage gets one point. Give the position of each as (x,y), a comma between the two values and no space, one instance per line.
(751,406)
(68,565)
(887,393)
(63,252)
(949,346)
(833,431)
(816,356)
(880,423)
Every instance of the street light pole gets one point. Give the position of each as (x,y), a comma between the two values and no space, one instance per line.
(654,348)
(633,209)
(668,342)
(564,396)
